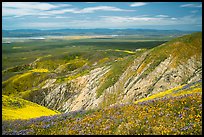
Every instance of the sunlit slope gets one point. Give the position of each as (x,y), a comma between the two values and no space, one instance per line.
(177,91)
(161,68)
(179,49)
(177,115)
(16,108)
(24,81)
(130,77)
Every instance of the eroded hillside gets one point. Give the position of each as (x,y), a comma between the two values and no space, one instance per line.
(77,83)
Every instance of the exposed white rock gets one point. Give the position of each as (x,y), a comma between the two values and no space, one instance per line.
(80,93)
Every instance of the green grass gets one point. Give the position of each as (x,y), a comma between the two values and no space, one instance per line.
(14,57)
(180,49)
(114,73)
(61,57)
(71,77)
(22,82)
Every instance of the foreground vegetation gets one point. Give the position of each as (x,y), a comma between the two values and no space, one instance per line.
(179,114)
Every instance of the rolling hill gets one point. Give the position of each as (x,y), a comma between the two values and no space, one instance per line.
(16,108)
(113,91)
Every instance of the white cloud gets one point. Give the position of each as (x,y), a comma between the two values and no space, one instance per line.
(28,8)
(132,20)
(194,11)
(100,8)
(18,12)
(37,8)
(191,5)
(29,5)
(62,17)
(174,18)
(63,5)
(55,11)
(43,17)
(118,18)
(135,21)
(113,22)
(61,11)
(137,4)
(163,16)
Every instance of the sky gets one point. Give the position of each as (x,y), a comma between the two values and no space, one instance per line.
(114,15)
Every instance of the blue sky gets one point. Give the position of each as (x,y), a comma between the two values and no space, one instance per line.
(84,15)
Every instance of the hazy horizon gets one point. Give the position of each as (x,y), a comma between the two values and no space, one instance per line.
(186,16)
(106,28)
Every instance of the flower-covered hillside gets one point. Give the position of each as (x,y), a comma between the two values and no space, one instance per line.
(177,91)
(178,114)
(17,108)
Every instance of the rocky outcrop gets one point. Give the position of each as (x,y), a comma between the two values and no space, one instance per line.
(142,78)
(80,93)
(77,94)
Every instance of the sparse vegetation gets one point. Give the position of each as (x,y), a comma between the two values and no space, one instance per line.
(118,67)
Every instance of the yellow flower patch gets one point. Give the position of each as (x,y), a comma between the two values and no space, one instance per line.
(16,108)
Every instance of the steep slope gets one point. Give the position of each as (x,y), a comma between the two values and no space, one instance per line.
(17,108)
(186,89)
(178,114)
(167,66)
(125,80)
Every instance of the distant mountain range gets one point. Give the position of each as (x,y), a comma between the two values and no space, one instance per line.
(61,32)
